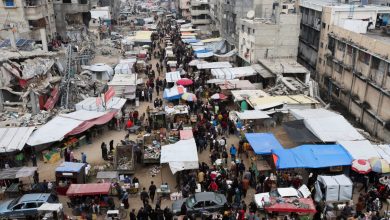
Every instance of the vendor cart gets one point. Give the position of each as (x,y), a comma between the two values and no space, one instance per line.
(151,150)
(124,161)
(69,173)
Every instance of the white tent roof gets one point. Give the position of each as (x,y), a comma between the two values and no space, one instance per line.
(240,95)
(213,65)
(327,126)
(125,80)
(383,151)
(181,156)
(13,139)
(172,76)
(89,104)
(362,149)
(83,115)
(232,73)
(53,130)
(252,114)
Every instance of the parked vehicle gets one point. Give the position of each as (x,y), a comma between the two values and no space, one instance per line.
(26,205)
(200,202)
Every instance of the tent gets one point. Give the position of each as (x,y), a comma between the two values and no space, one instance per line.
(174,93)
(333,188)
(263,143)
(311,156)
(93,104)
(326,125)
(362,149)
(298,132)
(182,155)
(252,114)
(14,139)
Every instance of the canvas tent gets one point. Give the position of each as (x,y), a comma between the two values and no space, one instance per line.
(311,156)
(326,125)
(362,149)
(263,143)
(333,188)
(180,156)
(14,139)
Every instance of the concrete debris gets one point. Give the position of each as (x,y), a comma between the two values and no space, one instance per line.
(21,119)
(153,171)
(152,151)
(288,86)
(125,163)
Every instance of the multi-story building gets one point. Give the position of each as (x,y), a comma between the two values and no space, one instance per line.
(354,67)
(200,14)
(27,19)
(267,38)
(184,9)
(72,18)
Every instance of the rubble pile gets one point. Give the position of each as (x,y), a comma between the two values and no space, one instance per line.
(125,163)
(287,86)
(82,86)
(153,171)
(20,119)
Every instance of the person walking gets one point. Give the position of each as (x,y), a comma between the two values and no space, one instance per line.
(144,196)
(34,159)
(104,150)
(152,191)
(83,157)
(233,152)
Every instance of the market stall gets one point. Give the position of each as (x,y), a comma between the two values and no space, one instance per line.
(157,119)
(177,115)
(151,151)
(69,173)
(16,181)
(303,206)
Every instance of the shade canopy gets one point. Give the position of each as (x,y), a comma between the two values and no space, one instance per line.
(14,139)
(263,143)
(252,114)
(174,93)
(89,189)
(360,149)
(311,156)
(70,167)
(180,156)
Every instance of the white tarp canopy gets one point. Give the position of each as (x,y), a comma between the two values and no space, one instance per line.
(52,131)
(196,62)
(57,128)
(252,114)
(180,156)
(123,68)
(233,73)
(326,125)
(213,65)
(90,104)
(172,76)
(51,207)
(383,151)
(362,149)
(13,139)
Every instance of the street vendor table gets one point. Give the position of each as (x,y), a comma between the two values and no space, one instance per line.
(301,205)
(163,193)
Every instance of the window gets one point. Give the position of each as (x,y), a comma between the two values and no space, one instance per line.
(31,205)
(284,6)
(323,25)
(198,205)
(364,57)
(375,63)
(319,60)
(242,28)
(340,46)
(9,3)
(18,206)
(253,31)
(210,203)
(329,61)
(249,30)
(338,68)
(349,50)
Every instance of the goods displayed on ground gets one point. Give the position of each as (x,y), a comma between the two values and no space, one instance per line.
(124,161)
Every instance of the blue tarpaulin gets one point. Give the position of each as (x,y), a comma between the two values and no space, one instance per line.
(312,156)
(188,41)
(263,143)
(70,167)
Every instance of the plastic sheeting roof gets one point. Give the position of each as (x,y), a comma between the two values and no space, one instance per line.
(233,73)
(298,132)
(312,156)
(327,126)
(383,151)
(213,65)
(362,149)
(237,84)
(13,139)
(272,101)
(172,76)
(182,155)
(204,54)
(70,167)
(252,114)
(263,143)
(89,104)
(16,172)
(89,189)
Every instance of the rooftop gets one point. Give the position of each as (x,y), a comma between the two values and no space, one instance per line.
(318,4)
(283,66)
(378,35)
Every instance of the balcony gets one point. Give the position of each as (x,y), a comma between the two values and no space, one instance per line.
(196,21)
(197,12)
(35,12)
(199,2)
(74,6)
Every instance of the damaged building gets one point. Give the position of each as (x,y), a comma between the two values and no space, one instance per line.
(72,18)
(29,19)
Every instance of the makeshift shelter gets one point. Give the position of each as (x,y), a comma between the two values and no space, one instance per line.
(333,188)
(89,189)
(263,143)
(96,104)
(213,65)
(311,156)
(252,115)
(68,124)
(286,102)
(180,156)
(240,95)
(362,149)
(298,132)
(17,172)
(100,71)
(233,73)
(174,93)
(69,171)
(326,125)
(236,84)
(125,85)
(172,77)
(14,139)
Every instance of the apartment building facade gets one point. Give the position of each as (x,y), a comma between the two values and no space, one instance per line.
(27,19)
(200,14)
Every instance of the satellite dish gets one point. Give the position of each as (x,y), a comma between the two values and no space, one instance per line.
(250,14)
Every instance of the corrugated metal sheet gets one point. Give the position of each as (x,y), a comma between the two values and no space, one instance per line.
(13,139)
